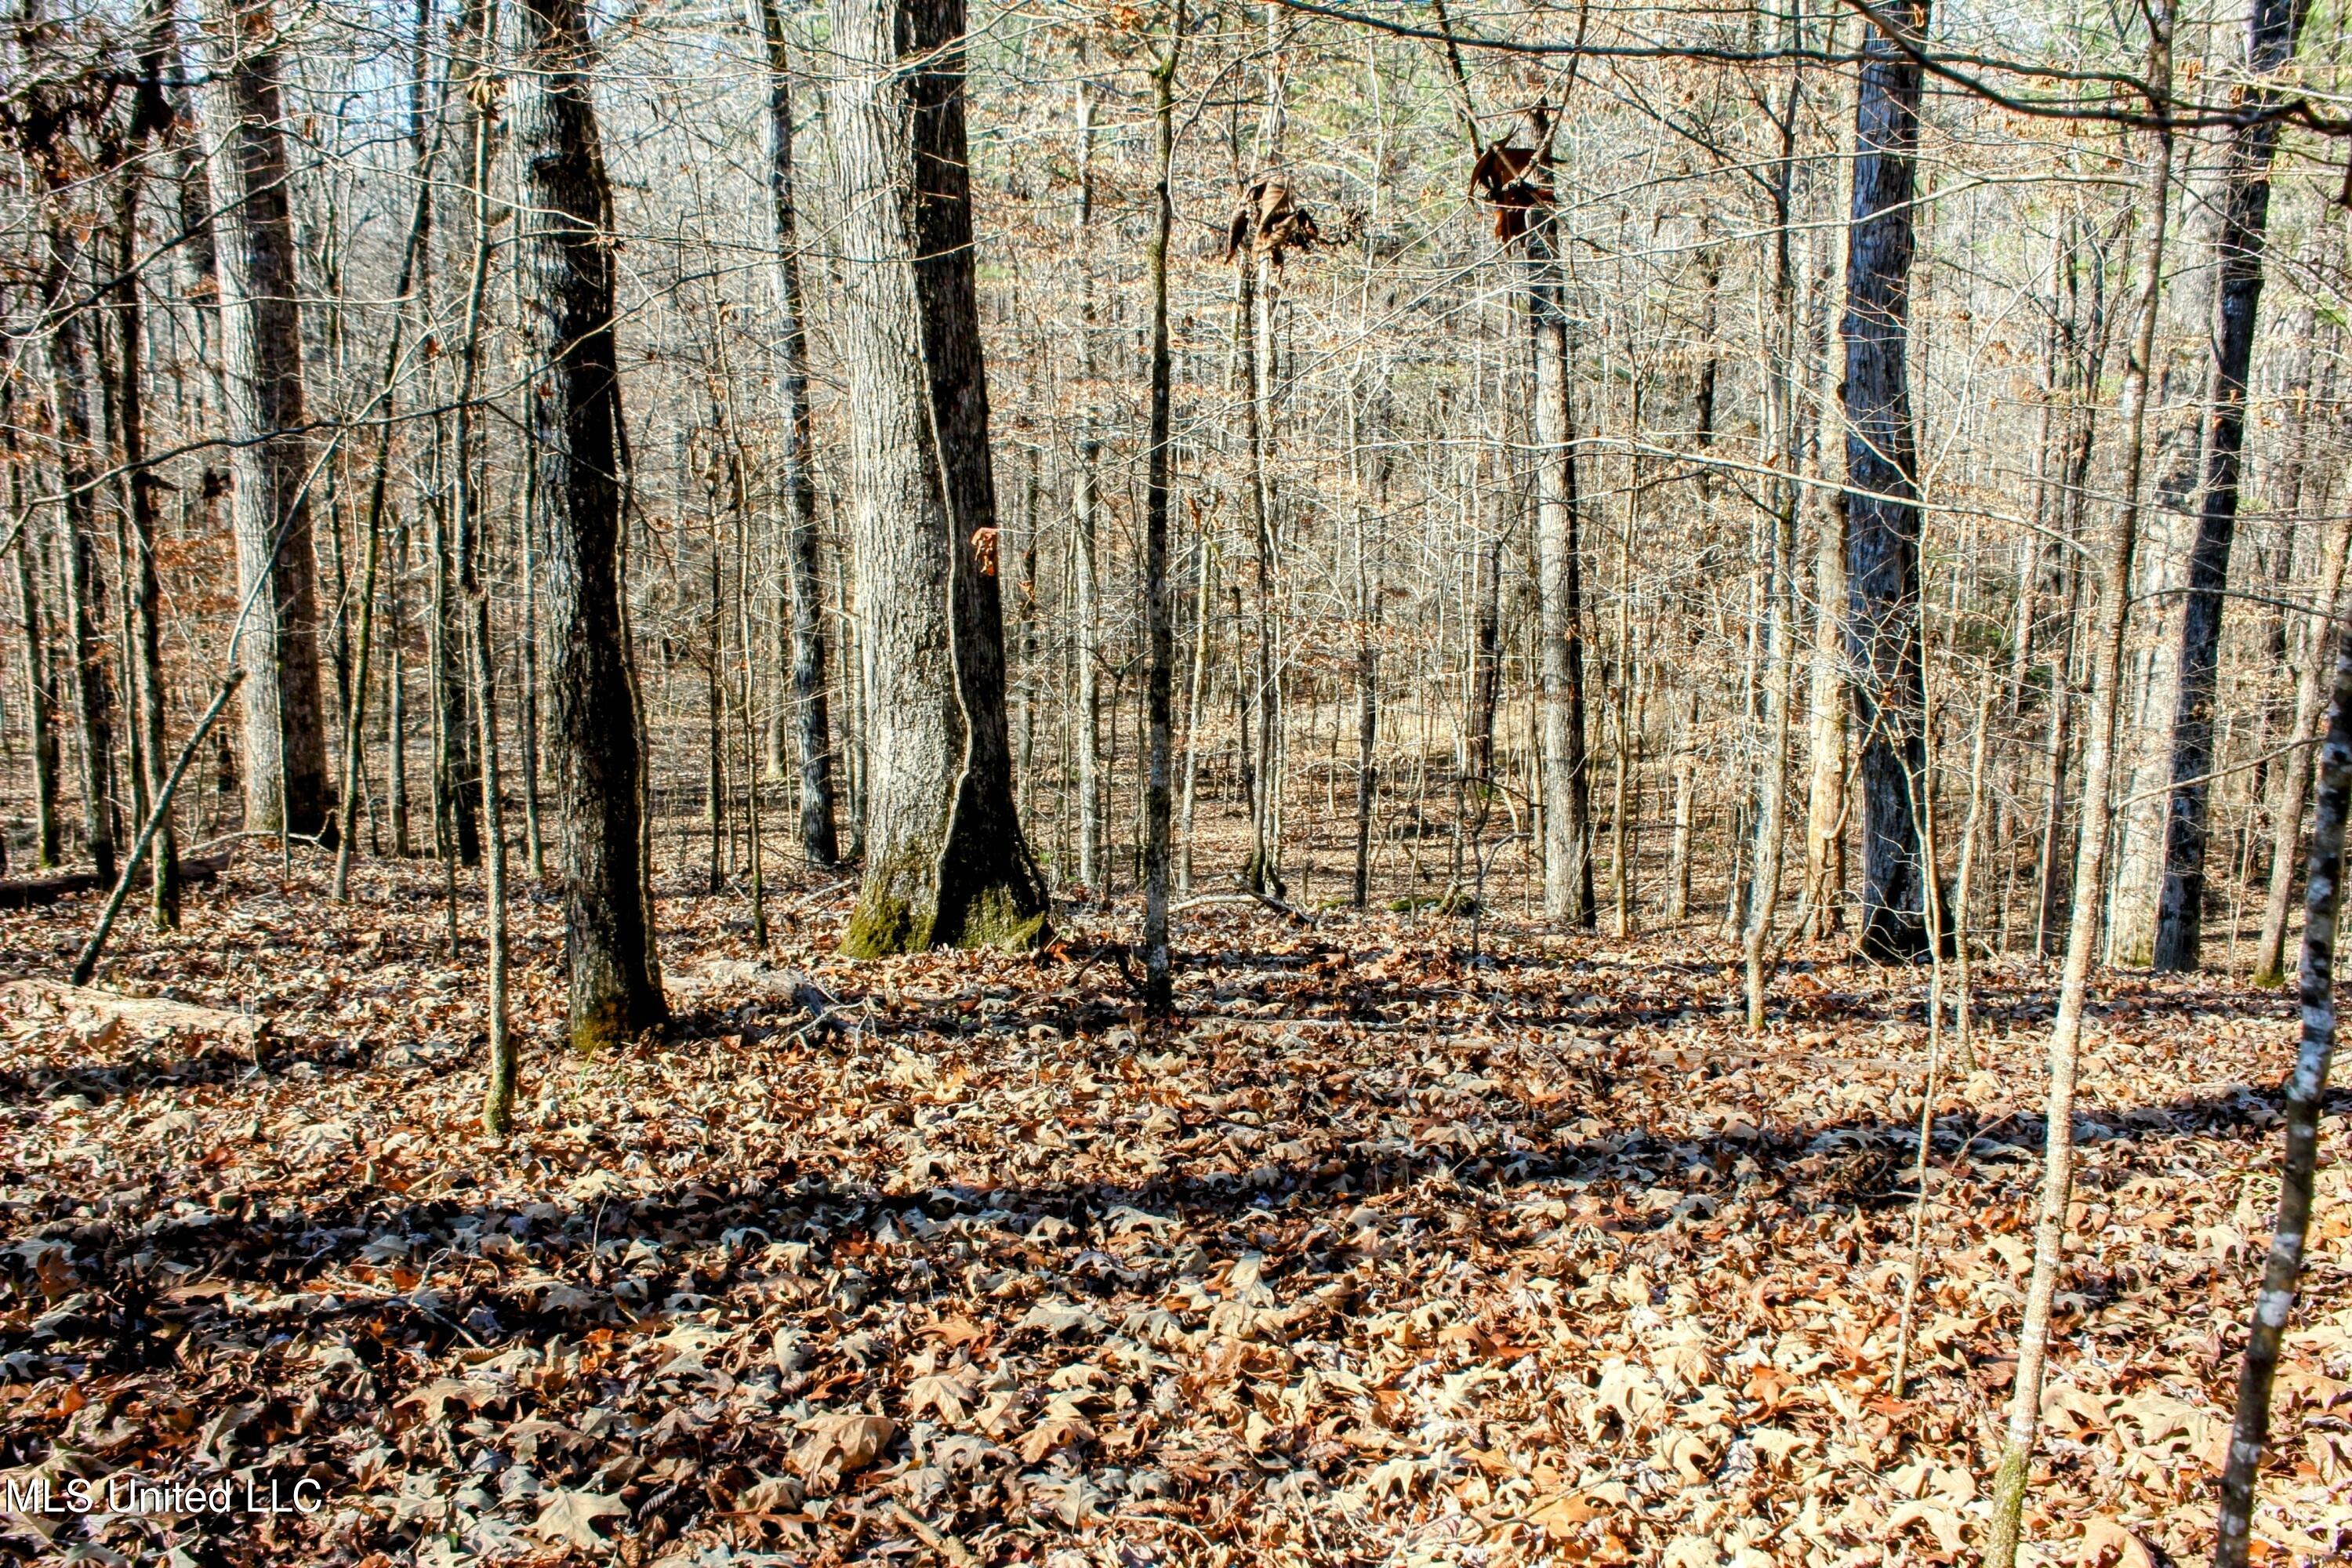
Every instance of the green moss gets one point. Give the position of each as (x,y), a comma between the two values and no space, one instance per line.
(996,919)
(603,1024)
(879,927)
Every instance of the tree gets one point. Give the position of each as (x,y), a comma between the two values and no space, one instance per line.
(286,786)
(2273,31)
(946,863)
(1883,473)
(575,410)
(804,592)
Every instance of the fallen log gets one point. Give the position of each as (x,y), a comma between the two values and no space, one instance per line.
(104,1017)
(25,892)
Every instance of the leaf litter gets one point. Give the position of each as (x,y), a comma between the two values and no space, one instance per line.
(1382,1256)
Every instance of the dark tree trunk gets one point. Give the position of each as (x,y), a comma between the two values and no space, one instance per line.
(946,861)
(566,251)
(2273,32)
(285,722)
(41,683)
(1882,509)
(803,588)
(71,378)
(1159,610)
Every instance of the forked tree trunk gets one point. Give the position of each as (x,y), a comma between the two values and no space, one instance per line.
(946,862)
(567,252)
(804,592)
(1882,506)
(261,322)
(2271,35)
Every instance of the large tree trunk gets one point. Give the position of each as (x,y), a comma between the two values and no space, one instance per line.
(567,254)
(1882,509)
(2271,36)
(945,859)
(804,590)
(284,721)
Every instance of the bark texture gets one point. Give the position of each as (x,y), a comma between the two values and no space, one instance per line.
(946,863)
(804,592)
(2273,31)
(261,331)
(567,256)
(1883,508)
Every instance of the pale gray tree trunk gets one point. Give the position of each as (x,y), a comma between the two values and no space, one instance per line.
(285,784)
(946,862)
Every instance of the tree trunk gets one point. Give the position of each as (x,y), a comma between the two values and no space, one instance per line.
(946,862)
(566,249)
(2271,36)
(40,682)
(1087,568)
(1881,508)
(2292,779)
(1566,785)
(285,787)
(93,701)
(2090,847)
(1780,586)
(1158,987)
(2306,1089)
(805,589)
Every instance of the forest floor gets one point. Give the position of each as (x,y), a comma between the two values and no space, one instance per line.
(1382,1256)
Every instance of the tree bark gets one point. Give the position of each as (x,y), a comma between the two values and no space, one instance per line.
(40,682)
(1567,783)
(2305,1087)
(2272,33)
(1882,507)
(286,787)
(76,450)
(566,249)
(1158,609)
(2293,775)
(946,862)
(805,589)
